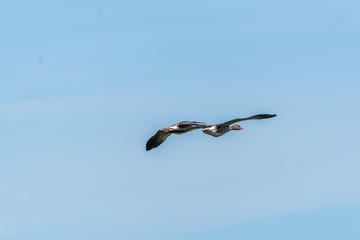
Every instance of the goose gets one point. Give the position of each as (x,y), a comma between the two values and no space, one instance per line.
(218,130)
(178,128)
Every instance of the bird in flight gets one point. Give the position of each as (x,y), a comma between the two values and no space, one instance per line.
(220,129)
(178,128)
(216,130)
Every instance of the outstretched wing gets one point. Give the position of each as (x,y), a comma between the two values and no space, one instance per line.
(259,116)
(156,140)
(183,127)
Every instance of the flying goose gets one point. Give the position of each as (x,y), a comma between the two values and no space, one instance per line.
(222,128)
(178,128)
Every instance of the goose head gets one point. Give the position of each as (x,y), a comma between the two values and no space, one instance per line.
(236,127)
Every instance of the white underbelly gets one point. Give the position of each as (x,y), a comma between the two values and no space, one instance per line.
(212,132)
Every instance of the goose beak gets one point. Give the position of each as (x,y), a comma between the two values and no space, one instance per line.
(241,128)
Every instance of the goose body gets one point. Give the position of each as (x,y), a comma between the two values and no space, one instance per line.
(214,131)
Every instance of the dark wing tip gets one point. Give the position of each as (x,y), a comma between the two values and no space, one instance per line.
(262,116)
(156,140)
(148,147)
(150,144)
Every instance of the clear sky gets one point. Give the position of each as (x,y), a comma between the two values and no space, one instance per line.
(84,84)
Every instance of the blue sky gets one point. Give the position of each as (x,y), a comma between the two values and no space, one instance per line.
(84,84)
